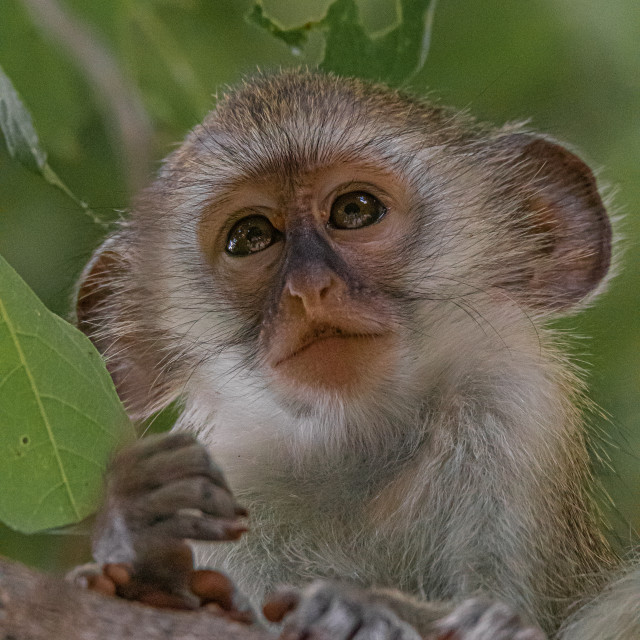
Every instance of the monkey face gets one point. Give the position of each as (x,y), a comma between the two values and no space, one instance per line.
(310,253)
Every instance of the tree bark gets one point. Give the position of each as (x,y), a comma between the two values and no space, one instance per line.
(36,606)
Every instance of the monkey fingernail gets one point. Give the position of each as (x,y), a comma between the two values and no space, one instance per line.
(234,531)
(212,587)
(119,573)
(277,606)
(101,584)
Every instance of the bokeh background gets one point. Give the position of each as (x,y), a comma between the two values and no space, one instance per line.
(570,66)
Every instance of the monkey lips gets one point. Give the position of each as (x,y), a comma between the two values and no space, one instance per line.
(331,358)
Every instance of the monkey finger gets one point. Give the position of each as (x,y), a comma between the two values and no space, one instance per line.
(329,610)
(281,602)
(218,594)
(167,466)
(485,619)
(338,620)
(81,575)
(151,446)
(212,586)
(193,493)
(118,572)
(198,527)
(101,584)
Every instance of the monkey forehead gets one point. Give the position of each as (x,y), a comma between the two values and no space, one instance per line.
(289,122)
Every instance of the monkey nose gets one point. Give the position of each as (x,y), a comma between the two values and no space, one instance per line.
(315,289)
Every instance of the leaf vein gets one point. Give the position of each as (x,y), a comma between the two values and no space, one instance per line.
(43,498)
(43,414)
(51,348)
(82,457)
(98,424)
(8,375)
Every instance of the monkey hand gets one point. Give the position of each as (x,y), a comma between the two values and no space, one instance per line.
(481,619)
(161,491)
(326,610)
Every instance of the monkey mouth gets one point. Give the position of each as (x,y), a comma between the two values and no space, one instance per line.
(344,362)
(321,334)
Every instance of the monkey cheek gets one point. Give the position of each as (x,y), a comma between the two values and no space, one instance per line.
(340,365)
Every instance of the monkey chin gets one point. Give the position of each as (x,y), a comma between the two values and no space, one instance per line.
(345,366)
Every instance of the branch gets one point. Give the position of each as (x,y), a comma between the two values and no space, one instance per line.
(36,606)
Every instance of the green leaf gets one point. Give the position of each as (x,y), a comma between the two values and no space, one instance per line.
(295,38)
(17,127)
(60,416)
(23,143)
(393,56)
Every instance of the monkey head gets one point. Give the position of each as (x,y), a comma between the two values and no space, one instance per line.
(327,242)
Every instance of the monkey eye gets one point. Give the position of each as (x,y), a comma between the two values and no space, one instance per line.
(356,209)
(250,235)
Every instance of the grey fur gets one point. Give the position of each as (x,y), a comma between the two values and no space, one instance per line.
(477,440)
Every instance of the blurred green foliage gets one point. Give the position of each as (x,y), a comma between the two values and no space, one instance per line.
(393,55)
(571,66)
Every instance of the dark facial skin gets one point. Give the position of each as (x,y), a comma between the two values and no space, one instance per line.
(323,319)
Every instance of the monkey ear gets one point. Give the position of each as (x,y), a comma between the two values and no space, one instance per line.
(560,211)
(105,316)
(94,289)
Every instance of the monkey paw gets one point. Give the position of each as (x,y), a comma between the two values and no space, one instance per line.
(207,589)
(164,488)
(479,619)
(326,611)
(161,491)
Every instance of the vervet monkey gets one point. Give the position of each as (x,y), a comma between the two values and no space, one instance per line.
(347,288)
